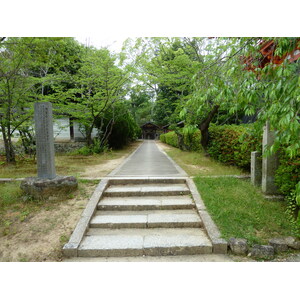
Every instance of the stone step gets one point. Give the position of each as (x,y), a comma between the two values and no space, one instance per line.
(146,203)
(158,189)
(146,219)
(145,180)
(151,242)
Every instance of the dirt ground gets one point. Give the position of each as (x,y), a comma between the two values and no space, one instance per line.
(102,170)
(41,235)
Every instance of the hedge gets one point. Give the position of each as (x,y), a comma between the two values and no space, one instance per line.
(287,174)
(170,138)
(233,144)
(190,140)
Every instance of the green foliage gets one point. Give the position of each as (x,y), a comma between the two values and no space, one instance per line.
(288,173)
(140,105)
(191,139)
(293,212)
(162,138)
(124,128)
(170,138)
(287,178)
(233,144)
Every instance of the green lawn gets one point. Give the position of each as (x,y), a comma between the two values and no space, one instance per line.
(197,164)
(240,210)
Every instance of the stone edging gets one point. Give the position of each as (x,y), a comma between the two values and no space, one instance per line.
(240,246)
(220,245)
(70,249)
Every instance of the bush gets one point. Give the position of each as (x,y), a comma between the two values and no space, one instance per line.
(233,144)
(191,140)
(162,138)
(171,138)
(286,178)
(287,174)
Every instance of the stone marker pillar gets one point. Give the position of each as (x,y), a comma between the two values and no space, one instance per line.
(256,168)
(44,140)
(269,163)
(47,185)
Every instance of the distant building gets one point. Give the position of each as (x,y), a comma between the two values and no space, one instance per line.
(150,131)
(166,128)
(64,130)
(68,130)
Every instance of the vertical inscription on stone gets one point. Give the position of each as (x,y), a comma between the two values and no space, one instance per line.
(44,140)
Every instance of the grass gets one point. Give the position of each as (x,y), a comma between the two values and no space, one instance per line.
(240,210)
(65,164)
(197,164)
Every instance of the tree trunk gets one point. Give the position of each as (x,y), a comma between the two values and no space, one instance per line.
(205,125)
(181,143)
(9,150)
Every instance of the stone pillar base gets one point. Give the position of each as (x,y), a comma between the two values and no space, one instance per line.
(45,189)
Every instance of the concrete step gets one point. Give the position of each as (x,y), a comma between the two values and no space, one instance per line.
(151,242)
(159,189)
(146,203)
(146,219)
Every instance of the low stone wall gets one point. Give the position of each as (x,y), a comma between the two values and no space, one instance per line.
(67,147)
(61,147)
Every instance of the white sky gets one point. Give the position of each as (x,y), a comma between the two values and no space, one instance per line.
(113,43)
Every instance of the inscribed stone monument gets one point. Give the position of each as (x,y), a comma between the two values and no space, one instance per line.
(44,140)
(47,185)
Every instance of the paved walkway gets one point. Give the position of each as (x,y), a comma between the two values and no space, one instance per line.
(148,160)
(145,210)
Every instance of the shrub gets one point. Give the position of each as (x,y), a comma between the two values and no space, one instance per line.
(162,138)
(286,178)
(190,139)
(171,138)
(287,174)
(233,144)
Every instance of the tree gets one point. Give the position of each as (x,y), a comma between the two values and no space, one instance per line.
(166,65)
(15,86)
(141,104)
(98,85)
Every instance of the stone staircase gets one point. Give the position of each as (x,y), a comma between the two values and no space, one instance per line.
(144,218)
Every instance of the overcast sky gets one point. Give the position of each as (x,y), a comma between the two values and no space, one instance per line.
(98,41)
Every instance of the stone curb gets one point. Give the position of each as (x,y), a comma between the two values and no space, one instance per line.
(71,248)
(222,176)
(220,245)
(5,180)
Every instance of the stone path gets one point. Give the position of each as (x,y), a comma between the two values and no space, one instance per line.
(146,208)
(148,160)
